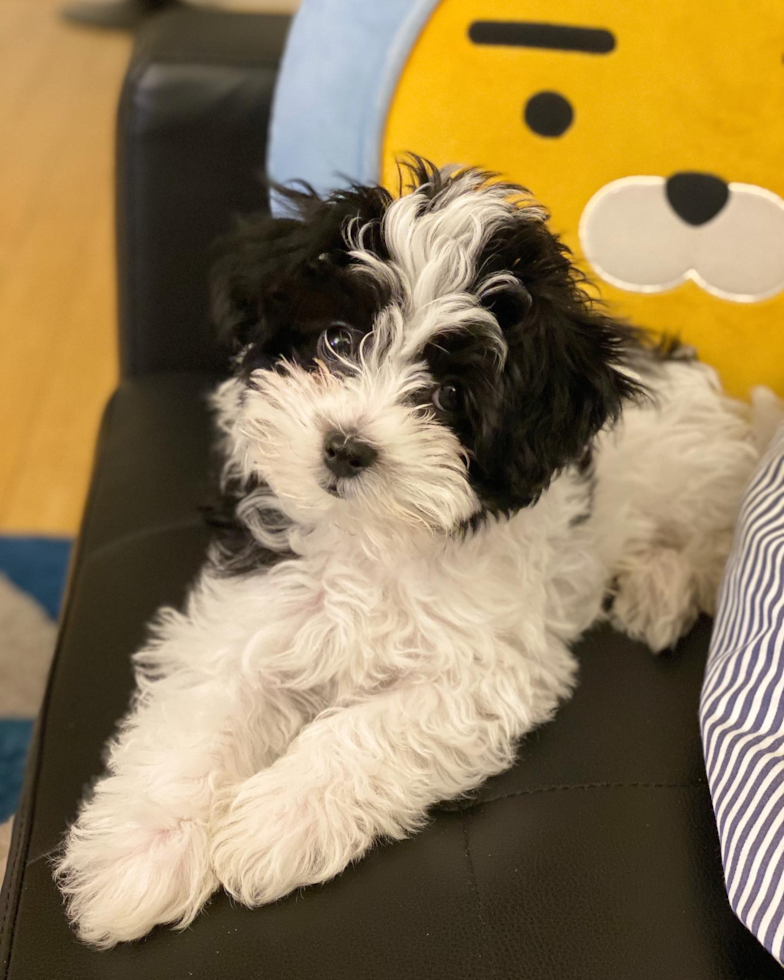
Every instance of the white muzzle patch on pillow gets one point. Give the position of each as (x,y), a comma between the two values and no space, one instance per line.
(634,239)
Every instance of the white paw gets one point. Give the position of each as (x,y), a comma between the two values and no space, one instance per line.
(127,869)
(272,839)
(655,599)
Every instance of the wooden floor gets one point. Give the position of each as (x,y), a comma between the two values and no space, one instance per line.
(58,92)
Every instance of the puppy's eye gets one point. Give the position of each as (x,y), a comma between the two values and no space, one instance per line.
(338,341)
(448,397)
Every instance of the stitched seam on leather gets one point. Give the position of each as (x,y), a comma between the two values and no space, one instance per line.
(40,857)
(477,897)
(210,61)
(146,532)
(506,796)
(29,810)
(20,817)
(126,117)
(693,784)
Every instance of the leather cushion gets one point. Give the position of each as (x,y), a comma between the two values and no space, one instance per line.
(595,857)
(191,141)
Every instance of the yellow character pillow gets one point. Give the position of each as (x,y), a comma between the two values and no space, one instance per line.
(653,133)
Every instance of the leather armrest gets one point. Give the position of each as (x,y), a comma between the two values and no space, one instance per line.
(191,143)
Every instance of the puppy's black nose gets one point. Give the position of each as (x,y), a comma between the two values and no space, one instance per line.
(696,198)
(346,455)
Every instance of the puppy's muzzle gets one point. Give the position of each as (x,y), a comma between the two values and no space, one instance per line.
(346,456)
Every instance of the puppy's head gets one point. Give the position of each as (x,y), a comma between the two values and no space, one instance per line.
(425,360)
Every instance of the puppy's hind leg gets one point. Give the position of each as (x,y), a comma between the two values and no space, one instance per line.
(655,597)
(675,472)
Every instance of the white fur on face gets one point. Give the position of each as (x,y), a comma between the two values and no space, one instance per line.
(420,477)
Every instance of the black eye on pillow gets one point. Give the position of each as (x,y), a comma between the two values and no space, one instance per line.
(548,114)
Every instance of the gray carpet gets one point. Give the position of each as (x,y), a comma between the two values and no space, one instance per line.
(27,638)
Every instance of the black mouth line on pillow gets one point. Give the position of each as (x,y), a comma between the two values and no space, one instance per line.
(530,34)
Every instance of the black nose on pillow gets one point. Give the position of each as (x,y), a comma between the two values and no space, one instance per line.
(696,198)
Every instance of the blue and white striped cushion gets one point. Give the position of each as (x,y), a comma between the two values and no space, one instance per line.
(742,708)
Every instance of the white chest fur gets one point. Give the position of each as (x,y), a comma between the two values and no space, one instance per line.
(350,618)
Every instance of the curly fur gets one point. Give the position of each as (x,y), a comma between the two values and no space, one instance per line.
(362,648)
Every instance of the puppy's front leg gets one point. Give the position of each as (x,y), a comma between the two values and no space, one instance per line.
(138,854)
(371,770)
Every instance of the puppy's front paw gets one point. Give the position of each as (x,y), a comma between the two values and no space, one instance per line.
(655,599)
(128,868)
(272,840)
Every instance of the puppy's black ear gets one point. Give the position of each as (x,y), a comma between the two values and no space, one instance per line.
(565,376)
(244,281)
(508,299)
(274,271)
(570,363)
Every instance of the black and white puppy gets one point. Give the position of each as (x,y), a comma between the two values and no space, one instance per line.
(446,456)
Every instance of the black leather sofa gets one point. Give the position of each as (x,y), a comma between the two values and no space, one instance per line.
(595,858)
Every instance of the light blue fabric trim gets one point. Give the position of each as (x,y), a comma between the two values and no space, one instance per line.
(397,54)
(339,70)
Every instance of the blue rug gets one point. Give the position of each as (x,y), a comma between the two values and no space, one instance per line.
(32,579)
(37,566)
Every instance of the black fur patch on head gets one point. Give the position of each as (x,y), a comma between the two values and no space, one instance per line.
(283,281)
(563,379)
(279,284)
